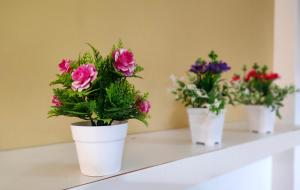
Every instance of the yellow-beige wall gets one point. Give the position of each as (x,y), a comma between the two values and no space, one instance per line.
(165,35)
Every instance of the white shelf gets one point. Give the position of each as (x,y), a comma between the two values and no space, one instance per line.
(158,157)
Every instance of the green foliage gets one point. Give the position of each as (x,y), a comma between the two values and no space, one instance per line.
(110,97)
(208,81)
(203,89)
(120,94)
(213,56)
(257,87)
(63,79)
(120,101)
(191,96)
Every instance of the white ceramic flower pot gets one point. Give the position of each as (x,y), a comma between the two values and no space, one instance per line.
(260,119)
(206,127)
(99,148)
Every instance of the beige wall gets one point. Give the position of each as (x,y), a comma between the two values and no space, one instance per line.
(165,35)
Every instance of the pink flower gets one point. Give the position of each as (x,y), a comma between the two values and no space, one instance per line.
(124,61)
(65,66)
(55,101)
(144,106)
(83,76)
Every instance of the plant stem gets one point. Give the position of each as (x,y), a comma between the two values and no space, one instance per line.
(92,121)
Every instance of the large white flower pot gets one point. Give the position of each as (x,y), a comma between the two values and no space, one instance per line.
(261,119)
(99,148)
(206,127)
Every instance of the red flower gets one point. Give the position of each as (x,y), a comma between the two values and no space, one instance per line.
(272,76)
(250,74)
(260,76)
(235,78)
(254,74)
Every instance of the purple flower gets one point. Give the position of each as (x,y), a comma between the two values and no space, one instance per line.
(214,68)
(202,67)
(199,67)
(224,66)
(218,67)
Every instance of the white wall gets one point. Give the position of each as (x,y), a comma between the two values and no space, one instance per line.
(297,169)
(297,105)
(286,49)
(286,166)
(256,176)
(283,170)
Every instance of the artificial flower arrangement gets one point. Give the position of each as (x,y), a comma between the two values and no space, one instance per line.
(205,94)
(96,89)
(264,98)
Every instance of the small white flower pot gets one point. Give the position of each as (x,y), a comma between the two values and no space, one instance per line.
(99,148)
(206,127)
(261,119)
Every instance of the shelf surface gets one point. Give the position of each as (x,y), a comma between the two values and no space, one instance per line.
(56,167)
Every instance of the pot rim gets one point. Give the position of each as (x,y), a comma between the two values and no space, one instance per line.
(87,124)
(258,106)
(204,109)
(197,108)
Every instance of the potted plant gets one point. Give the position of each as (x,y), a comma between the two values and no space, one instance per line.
(263,98)
(95,89)
(205,95)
